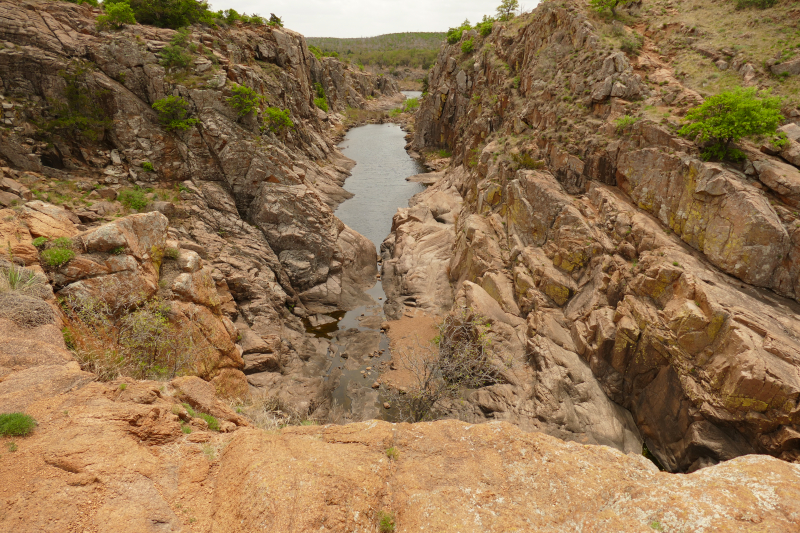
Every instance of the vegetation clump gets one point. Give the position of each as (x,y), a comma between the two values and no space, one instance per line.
(320,101)
(277,120)
(728,117)
(173,113)
(116,16)
(244,100)
(468,46)
(624,121)
(386,522)
(760,4)
(16,424)
(608,5)
(133,199)
(81,114)
(174,55)
(507,9)
(59,253)
(454,34)
(460,359)
(136,336)
(213,423)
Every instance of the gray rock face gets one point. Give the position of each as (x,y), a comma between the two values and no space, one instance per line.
(633,283)
(255,205)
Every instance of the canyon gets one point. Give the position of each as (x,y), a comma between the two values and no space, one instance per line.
(638,304)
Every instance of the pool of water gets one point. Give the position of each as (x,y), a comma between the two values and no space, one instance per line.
(358,348)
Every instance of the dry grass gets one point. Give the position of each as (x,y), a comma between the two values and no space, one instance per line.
(22,293)
(271,413)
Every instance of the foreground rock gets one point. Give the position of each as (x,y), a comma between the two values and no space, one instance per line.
(111,460)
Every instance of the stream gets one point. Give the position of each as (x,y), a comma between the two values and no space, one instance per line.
(358,347)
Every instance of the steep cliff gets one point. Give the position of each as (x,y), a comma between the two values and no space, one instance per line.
(636,293)
(254,198)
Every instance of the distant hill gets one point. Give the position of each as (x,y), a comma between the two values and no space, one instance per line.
(391,50)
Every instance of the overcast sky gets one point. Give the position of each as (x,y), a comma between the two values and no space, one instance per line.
(363,18)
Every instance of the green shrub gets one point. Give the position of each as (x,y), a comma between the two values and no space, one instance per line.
(386,522)
(116,16)
(761,4)
(319,89)
(213,423)
(186,429)
(173,113)
(624,121)
(133,199)
(39,241)
(485,26)
(93,3)
(454,34)
(316,51)
(277,120)
(55,257)
(468,46)
(62,242)
(608,5)
(244,100)
(16,424)
(147,166)
(321,103)
(171,253)
(392,453)
(275,20)
(168,13)
(524,160)
(729,116)
(444,152)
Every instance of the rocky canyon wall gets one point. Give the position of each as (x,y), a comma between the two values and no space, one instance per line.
(635,292)
(254,202)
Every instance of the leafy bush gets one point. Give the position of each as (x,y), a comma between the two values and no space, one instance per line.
(624,121)
(244,100)
(277,120)
(731,115)
(608,5)
(761,4)
(59,253)
(133,199)
(174,54)
(485,26)
(147,166)
(171,253)
(321,103)
(173,113)
(454,34)
(93,3)
(275,20)
(39,241)
(116,16)
(468,46)
(319,89)
(168,13)
(16,424)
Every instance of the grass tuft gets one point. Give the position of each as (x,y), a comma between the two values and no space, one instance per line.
(16,424)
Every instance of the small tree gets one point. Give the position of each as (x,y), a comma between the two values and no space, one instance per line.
(731,115)
(460,360)
(506,9)
(608,5)
(116,16)
(244,100)
(173,113)
(275,20)
(277,120)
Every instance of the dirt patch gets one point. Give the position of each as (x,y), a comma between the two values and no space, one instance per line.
(410,339)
